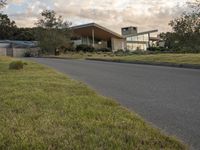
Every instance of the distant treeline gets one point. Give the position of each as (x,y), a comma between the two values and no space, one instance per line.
(10,31)
(22,34)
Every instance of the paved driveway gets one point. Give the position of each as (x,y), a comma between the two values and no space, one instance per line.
(165,96)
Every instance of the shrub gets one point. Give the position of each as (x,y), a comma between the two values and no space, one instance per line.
(27,54)
(85,48)
(160,49)
(69,49)
(16,65)
(25,63)
(142,52)
(104,50)
(119,52)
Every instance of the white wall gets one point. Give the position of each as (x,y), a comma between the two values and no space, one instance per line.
(3,47)
(77,42)
(19,52)
(2,51)
(118,44)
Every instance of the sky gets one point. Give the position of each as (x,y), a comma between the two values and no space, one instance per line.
(113,14)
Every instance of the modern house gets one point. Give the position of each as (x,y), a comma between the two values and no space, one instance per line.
(17,48)
(92,35)
(138,40)
(100,37)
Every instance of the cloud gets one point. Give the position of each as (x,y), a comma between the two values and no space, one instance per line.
(114,14)
(16,1)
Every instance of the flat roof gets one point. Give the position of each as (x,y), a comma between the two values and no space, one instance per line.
(20,44)
(101,32)
(141,33)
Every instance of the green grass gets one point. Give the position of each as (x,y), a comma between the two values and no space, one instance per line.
(43,109)
(168,58)
(81,55)
(154,58)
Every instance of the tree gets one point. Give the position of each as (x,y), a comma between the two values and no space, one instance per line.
(24,34)
(9,30)
(53,32)
(170,40)
(49,20)
(7,27)
(187,27)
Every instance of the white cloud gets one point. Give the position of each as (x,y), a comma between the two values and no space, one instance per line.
(110,13)
(16,1)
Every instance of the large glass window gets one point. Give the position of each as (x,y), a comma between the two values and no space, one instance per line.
(146,37)
(141,38)
(134,38)
(129,39)
(136,46)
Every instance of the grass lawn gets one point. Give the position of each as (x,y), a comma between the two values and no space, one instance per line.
(154,58)
(81,55)
(169,58)
(43,109)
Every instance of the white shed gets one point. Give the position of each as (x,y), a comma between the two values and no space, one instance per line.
(17,48)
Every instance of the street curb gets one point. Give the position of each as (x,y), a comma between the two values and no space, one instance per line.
(190,66)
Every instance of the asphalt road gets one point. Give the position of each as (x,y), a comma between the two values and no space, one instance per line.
(165,96)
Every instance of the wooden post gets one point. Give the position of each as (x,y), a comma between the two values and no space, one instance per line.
(93,37)
(149,40)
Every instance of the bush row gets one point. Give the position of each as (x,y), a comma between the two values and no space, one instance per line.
(87,48)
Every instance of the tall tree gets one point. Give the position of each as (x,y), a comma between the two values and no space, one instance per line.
(53,32)
(24,34)
(7,27)
(50,20)
(187,27)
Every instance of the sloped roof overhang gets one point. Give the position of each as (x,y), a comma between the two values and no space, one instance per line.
(100,32)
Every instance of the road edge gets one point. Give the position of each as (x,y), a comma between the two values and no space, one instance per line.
(190,66)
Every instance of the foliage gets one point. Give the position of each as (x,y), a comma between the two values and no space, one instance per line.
(28,54)
(69,47)
(52,40)
(168,38)
(24,34)
(52,32)
(11,32)
(50,20)
(186,29)
(154,58)
(159,49)
(104,50)
(121,52)
(85,48)
(16,65)
(7,27)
